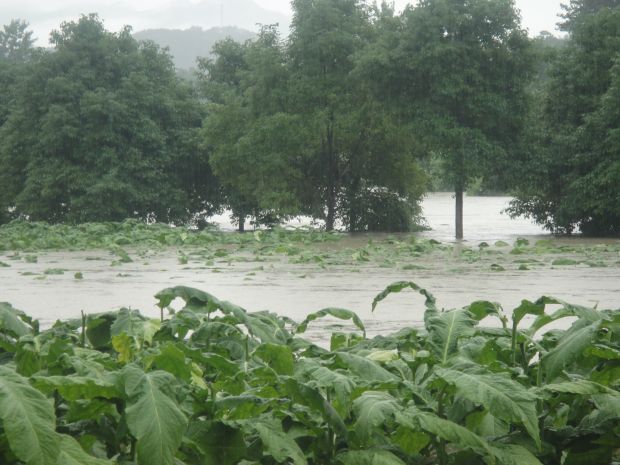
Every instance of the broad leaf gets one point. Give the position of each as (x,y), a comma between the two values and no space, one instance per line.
(277,443)
(71,453)
(340,313)
(368,457)
(153,418)
(373,409)
(570,346)
(399,286)
(11,321)
(28,419)
(500,395)
(445,329)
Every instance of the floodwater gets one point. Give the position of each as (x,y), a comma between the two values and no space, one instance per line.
(295,290)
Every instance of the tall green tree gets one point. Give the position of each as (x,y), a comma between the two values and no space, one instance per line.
(102,129)
(16,51)
(573,169)
(576,10)
(256,145)
(362,165)
(459,70)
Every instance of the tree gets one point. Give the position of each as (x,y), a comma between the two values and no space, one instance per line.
(576,10)
(362,163)
(16,43)
(458,70)
(573,169)
(255,144)
(16,51)
(102,129)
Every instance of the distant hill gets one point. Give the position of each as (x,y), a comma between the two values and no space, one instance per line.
(186,45)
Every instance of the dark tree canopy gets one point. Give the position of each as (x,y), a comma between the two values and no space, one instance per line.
(573,174)
(102,129)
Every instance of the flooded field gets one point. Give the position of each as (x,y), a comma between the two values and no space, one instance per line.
(347,273)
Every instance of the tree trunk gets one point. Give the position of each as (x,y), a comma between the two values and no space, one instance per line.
(241,223)
(458,217)
(331,174)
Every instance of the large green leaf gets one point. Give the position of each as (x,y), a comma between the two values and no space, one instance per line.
(153,418)
(446,328)
(340,313)
(580,387)
(77,387)
(373,409)
(11,321)
(448,431)
(309,396)
(219,444)
(512,454)
(278,357)
(28,419)
(501,396)
(569,347)
(131,323)
(71,453)
(368,457)
(367,370)
(277,443)
(567,310)
(399,286)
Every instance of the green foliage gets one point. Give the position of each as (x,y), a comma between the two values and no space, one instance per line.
(102,129)
(199,389)
(572,166)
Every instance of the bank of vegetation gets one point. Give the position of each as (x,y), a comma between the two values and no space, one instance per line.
(347,120)
(210,383)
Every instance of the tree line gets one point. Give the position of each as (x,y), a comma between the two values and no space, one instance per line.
(337,121)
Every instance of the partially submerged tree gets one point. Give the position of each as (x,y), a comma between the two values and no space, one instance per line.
(573,171)
(102,129)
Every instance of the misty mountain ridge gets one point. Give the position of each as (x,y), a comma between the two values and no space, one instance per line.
(189,44)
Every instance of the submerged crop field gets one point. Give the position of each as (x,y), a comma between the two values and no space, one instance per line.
(200,380)
(214,384)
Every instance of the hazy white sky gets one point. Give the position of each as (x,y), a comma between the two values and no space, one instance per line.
(45,15)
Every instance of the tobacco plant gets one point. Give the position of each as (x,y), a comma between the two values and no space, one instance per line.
(214,384)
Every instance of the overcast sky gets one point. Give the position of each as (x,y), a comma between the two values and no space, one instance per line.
(45,15)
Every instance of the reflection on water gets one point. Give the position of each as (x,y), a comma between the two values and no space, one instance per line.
(295,290)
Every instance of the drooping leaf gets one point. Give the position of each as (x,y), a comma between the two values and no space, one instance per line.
(303,394)
(71,453)
(219,444)
(11,321)
(569,347)
(77,387)
(153,418)
(567,310)
(373,409)
(446,328)
(368,457)
(501,396)
(278,444)
(399,286)
(512,454)
(580,387)
(484,308)
(28,419)
(134,325)
(278,357)
(449,431)
(340,313)
(365,369)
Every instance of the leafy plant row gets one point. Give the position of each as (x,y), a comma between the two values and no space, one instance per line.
(215,384)
(33,236)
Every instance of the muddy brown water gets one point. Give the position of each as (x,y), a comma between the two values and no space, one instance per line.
(295,290)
